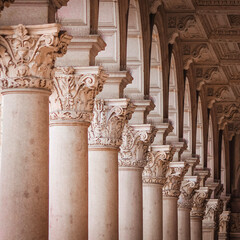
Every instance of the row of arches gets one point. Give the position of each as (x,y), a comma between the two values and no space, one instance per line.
(138,42)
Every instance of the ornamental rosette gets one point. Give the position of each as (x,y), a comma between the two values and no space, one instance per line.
(158,159)
(188,187)
(175,175)
(28,53)
(109,118)
(74,91)
(134,148)
(5,3)
(199,202)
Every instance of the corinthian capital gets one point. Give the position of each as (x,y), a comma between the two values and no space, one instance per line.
(224,222)
(5,3)
(158,159)
(136,141)
(109,118)
(174,176)
(74,91)
(189,185)
(27,55)
(199,202)
(212,212)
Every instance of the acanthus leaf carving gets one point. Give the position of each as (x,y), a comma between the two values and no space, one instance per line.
(158,159)
(28,53)
(74,92)
(109,118)
(135,145)
(175,174)
(188,187)
(199,202)
(224,222)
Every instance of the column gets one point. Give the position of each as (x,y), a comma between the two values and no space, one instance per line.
(132,160)
(189,184)
(154,177)
(224,219)
(27,57)
(197,212)
(171,192)
(210,219)
(105,138)
(70,114)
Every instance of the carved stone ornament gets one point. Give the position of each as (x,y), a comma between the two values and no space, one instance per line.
(27,55)
(74,91)
(5,3)
(158,159)
(135,145)
(199,202)
(175,174)
(188,187)
(210,219)
(224,222)
(109,118)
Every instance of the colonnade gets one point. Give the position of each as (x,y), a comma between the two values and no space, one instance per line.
(79,161)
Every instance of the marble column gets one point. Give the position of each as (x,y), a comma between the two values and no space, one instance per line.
(224,219)
(171,192)
(197,212)
(188,186)
(105,138)
(27,57)
(154,177)
(132,160)
(71,107)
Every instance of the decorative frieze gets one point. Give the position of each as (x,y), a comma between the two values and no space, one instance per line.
(134,148)
(109,118)
(188,187)
(175,174)
(199,202)
(158,159)
(74,91)
(28,53)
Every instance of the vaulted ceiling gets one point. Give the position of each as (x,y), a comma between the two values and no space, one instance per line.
(210,40)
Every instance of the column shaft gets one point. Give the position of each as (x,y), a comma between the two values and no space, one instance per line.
(24,165)
(170,218)
(130,203)
(68,181)
(183,224)
(196,228)
(152,212)
(103,193)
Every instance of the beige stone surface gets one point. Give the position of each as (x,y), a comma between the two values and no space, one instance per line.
(103,193)
(68,208)
(24,165)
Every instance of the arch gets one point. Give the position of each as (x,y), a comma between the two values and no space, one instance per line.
(223,167)
(199,135)
(210,149)
(173,113)
(108,28)
(187,118)
(135,58)
(156,81)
